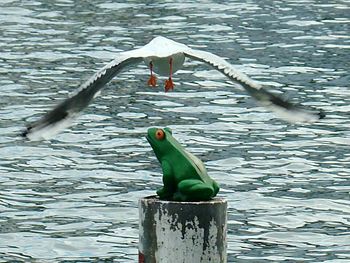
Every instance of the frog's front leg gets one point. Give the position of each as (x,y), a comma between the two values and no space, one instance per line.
(167,191)
(192,190)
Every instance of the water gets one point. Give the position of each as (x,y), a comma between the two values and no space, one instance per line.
(74,198)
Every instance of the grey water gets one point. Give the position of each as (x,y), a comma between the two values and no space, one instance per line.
(74,198)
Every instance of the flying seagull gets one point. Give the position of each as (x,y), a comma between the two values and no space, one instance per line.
(165,57)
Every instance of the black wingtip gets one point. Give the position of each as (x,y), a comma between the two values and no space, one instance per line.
(24,134)
(321,114)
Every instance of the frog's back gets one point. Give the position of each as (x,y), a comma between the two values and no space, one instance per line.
(195,167)
(198,165)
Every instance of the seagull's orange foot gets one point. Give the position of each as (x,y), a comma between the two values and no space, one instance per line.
(152,81)
(169,85)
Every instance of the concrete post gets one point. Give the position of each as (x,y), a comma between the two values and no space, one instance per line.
(182,232)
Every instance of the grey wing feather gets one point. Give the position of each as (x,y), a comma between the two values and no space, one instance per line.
(64,113)
(283,108)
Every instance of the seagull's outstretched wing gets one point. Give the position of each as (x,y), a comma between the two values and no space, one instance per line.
(65,112)
(284,109)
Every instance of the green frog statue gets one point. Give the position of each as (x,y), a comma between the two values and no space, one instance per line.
(184,175)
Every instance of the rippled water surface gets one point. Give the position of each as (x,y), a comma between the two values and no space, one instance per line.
(74,198)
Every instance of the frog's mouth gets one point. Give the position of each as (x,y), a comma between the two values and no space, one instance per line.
(149,139)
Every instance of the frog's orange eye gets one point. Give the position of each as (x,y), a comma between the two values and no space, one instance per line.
(160,134)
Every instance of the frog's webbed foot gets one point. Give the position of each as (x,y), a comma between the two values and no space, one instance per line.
(164,193)
(178,196)
(193,189)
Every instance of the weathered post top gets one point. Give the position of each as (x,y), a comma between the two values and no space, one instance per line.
(182,232)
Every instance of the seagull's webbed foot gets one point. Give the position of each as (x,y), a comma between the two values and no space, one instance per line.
(169,84)
(152,79)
